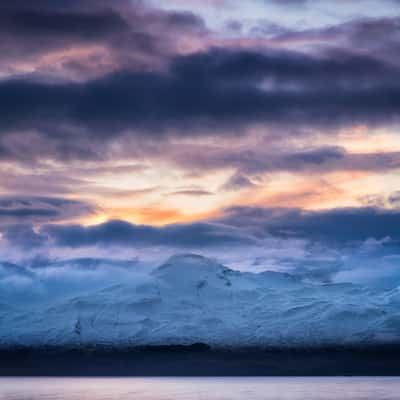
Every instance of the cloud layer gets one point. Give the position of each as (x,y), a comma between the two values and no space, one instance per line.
(232,88)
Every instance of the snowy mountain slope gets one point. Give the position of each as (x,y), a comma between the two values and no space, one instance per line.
(193,299)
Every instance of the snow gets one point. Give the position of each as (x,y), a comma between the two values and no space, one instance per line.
(191,299)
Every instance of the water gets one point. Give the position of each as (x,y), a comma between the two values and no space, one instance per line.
(199,388)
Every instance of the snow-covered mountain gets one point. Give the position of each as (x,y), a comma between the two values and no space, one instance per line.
(193,299)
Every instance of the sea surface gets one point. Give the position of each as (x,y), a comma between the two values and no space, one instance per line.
(199,388)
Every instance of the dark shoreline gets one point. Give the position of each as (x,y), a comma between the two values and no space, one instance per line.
(201,360)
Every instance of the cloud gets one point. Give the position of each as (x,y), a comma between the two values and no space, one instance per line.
(303,91)
(41,209)
(263,159)
(381,201)
(237,182)
(240,226)
(378,37)
(23,235)
(335,226)
(120,233)
(89,38)
(123,71)
(282,67)
(57,23)
(394,199)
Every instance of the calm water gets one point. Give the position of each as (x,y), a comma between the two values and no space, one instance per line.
(199,388)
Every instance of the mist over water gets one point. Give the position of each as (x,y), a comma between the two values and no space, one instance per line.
(369,388)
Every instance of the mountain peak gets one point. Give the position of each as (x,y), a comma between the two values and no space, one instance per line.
(189,268)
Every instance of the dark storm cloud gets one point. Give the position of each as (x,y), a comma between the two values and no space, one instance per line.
(40,209)
(126,33)
(90,20)
(283,67)
(29,28)
(214,89)
(156,91)
(44,23)
(120,233)
(334,226)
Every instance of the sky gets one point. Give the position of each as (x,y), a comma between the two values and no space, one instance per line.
(265,133)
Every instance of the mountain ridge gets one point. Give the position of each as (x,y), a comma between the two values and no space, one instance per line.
(192,299)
